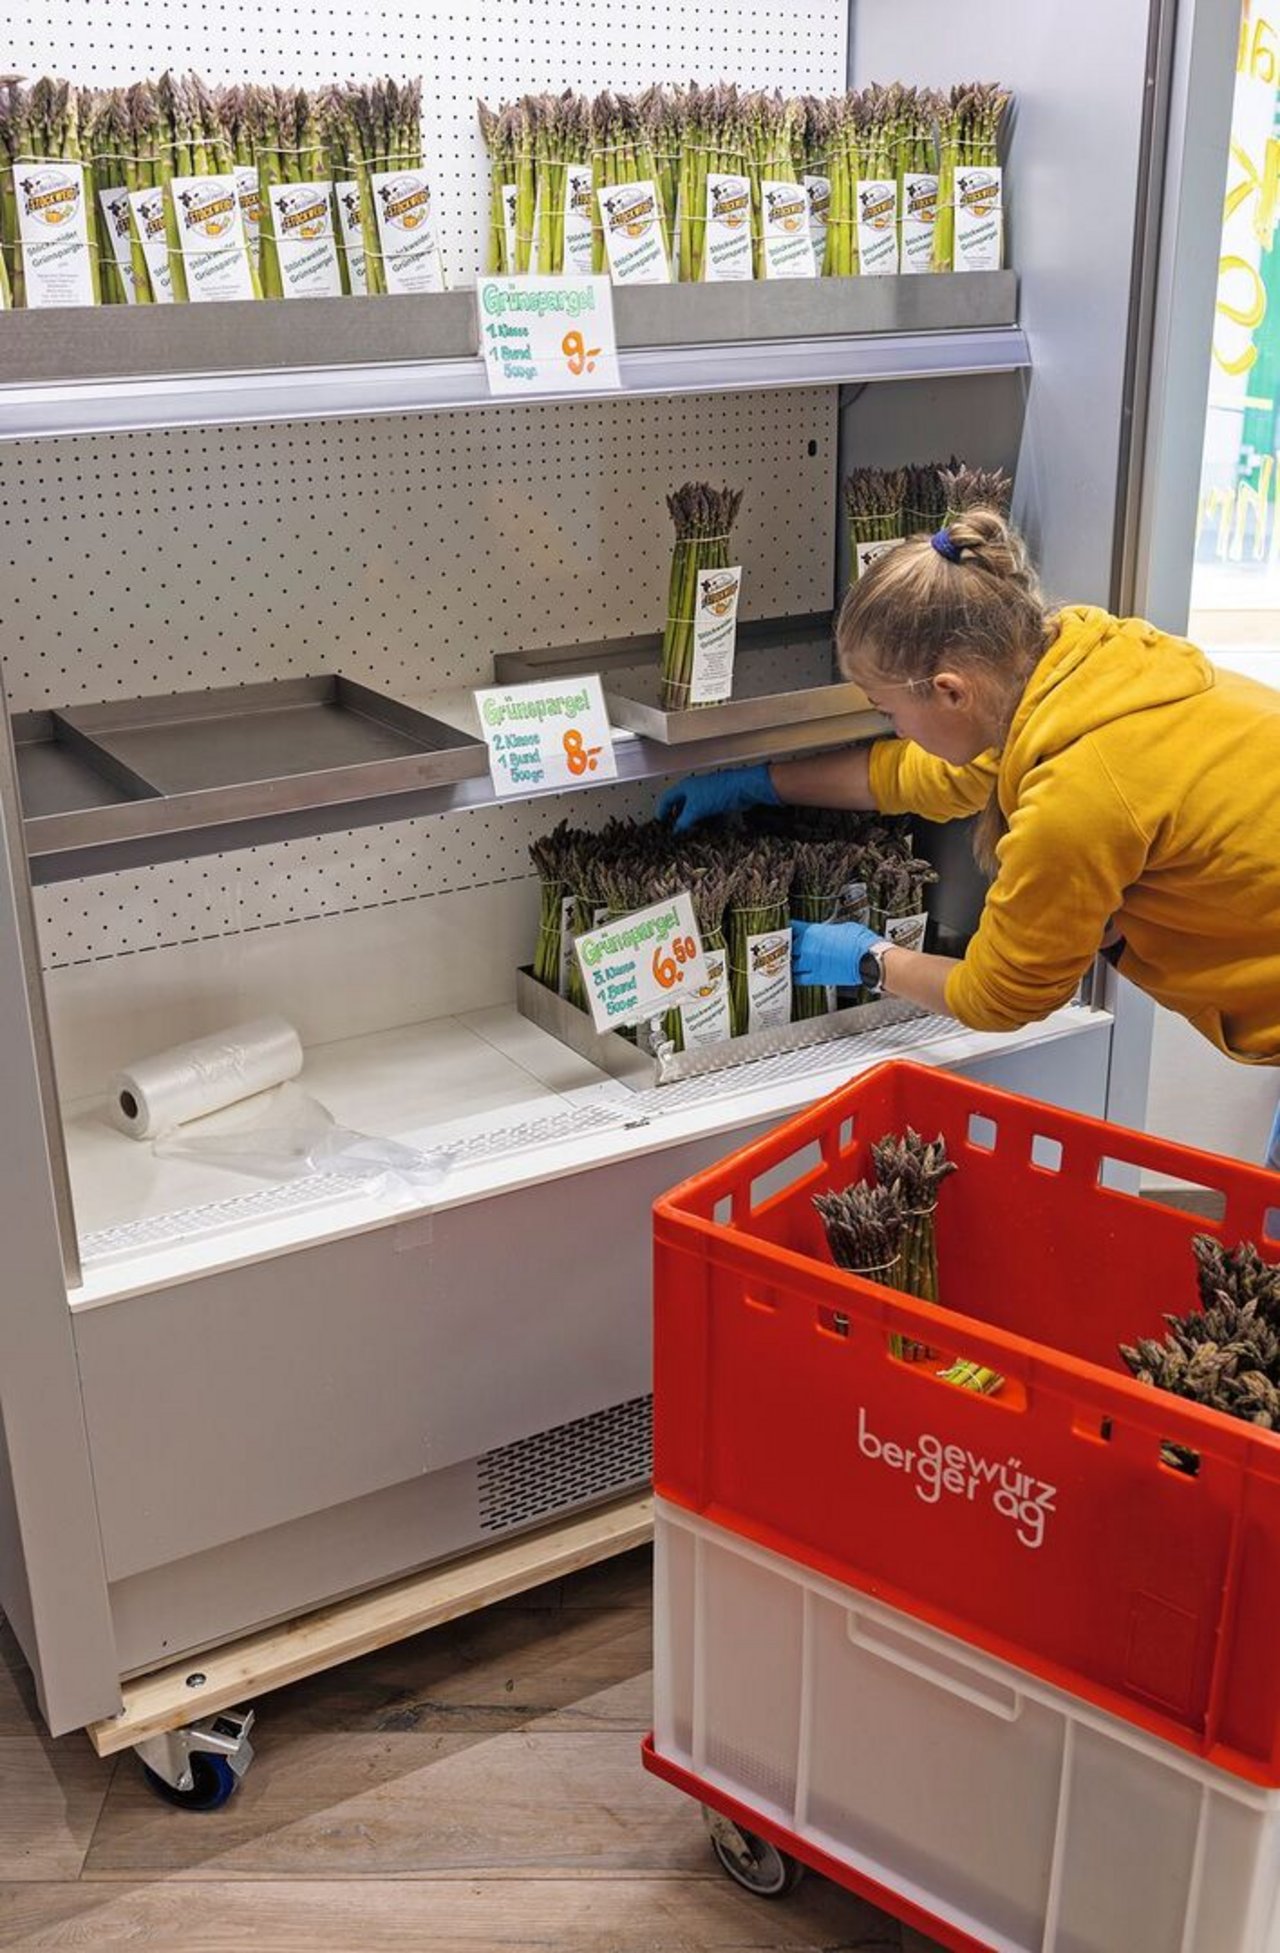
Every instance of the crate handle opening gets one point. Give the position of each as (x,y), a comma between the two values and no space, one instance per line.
(1182,1459)
(1190,1197)
(832,1322)
(845,1136)
(1271,1226)
(982,1133)
(943,1671)
(1046,1153)
(722,1212)
(805,1163)
(1087,1424)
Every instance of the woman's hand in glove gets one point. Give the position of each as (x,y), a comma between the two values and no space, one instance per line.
(703,795)
(830,953)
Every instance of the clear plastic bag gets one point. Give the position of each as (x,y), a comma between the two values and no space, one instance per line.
(285,1134)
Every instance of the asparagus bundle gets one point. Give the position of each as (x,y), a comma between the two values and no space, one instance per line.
(378,128)
(896,883)
(863,1226)
(50,222)
(621,155)
(554,857)
(974,488)
(873,500)
(713,181)
(245,114)
(877,201)
(704,519)
(561,140)
(969,137)
(663,112)
(813,161)
(711,880)
(771,124)
(1226,1354)
(914,1171)
(917,157)
(821,872)
(299,251)
(123,269)
(759,938)
(844,136)
(497,132)
(924,500)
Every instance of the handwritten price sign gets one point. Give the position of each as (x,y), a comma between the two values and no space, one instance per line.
(639,966)
(548,335)
(543,738)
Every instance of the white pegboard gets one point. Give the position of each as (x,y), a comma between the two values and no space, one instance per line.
(403,552)
(461,50)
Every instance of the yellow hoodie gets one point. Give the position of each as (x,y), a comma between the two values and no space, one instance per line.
(1138,782)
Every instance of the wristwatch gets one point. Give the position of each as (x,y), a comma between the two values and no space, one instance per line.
(871,966)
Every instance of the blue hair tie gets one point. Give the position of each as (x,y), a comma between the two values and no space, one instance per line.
(941,540)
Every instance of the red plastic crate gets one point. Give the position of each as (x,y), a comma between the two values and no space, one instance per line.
(1041,1524)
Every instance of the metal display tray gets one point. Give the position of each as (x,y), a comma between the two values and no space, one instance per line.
(642,1070)
(243,759)
(782,677)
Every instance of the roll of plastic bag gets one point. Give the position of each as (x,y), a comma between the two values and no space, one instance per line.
(193,1080)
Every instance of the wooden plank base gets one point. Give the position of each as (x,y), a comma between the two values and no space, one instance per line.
(245,1669)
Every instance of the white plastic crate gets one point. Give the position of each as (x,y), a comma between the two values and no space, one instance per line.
(1004,1808)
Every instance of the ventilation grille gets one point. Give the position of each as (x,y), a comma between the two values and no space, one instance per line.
(592,1458)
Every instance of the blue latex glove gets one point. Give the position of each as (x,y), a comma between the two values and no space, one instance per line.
(830,953)
(702,795)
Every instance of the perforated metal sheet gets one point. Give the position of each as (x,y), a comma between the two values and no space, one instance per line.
(461,50)
(403,553)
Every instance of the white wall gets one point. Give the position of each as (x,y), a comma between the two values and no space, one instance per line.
(1202,1099)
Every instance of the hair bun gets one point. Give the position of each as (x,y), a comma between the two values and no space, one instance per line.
(984,538)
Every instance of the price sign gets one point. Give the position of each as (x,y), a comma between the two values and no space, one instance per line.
(548,335)
(643,964)
(543,738)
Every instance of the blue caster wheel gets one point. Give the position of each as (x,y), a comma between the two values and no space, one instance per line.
(213,1781)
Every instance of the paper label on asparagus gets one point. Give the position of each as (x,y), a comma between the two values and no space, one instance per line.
(715,630)
(919,220)
(579,202)
(784,215)
(769,980)
(640,965)
(548,335)
(53,229)
(854,904)
(346,200)
(818,191)
(211,233)
(546,737)
(906,931)
(119,234)
(302,224)
(249,191)
(148,207)
(406,231)
(705,1017)
(727,246)
(876,202)
(633,239)
(510,204)
(865,553)
(979,219)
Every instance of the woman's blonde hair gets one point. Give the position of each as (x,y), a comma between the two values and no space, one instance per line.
(966,597)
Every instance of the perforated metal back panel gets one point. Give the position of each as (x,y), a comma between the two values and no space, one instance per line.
(461,50)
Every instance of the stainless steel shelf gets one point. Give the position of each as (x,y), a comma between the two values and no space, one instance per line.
(114,369)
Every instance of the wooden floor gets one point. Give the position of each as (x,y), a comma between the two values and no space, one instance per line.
(477,1787)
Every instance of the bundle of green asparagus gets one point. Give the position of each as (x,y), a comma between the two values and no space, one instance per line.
(779,223)
(969,121)
(914,1171)
(758,933)
(377,127)
(49,218)
(873,501)
(625,216)
(1226,1354)
(974,488)
(822,870)
(714,192)
(863,1225)
(664,113)
(704,519)
(924,501)
(113,157)
(918,111)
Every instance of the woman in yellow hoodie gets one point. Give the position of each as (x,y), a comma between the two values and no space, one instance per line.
(1129,794)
